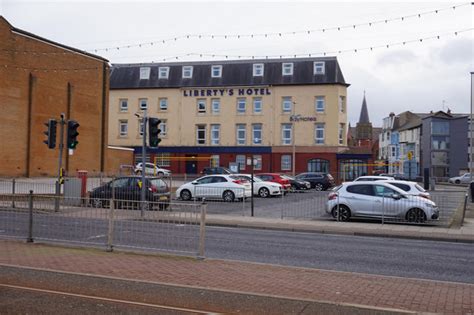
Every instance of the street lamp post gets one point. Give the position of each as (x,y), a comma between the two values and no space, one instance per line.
(471,130)
(293,138)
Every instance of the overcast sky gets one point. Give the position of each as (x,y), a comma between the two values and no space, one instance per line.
(420,76)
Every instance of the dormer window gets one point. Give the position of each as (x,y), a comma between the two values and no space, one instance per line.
(287,68)
(163,72)
(319,67)
(187,72)
(258,69)
(216,71)
(144,73)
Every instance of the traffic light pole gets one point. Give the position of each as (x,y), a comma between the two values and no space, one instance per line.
(61,147)
(143,188)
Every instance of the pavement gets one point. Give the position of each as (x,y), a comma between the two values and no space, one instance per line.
(322,291)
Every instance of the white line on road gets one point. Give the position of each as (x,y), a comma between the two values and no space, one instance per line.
(96,236)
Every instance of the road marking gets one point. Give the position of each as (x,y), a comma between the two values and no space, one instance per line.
(188,310)
(97,236)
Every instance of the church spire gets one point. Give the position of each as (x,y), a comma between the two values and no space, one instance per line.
(364,113)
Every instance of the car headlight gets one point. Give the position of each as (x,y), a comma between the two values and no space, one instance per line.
(429,205)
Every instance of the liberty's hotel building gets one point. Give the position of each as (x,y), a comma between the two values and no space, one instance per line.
(218,113)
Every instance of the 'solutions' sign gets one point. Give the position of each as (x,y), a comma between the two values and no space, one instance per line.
(297,118)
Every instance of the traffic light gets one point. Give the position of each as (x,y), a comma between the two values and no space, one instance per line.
(51,133)
(154,131)
(72,134)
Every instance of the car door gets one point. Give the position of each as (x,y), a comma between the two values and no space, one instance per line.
(385,205)
(360,199)
(203,187)
(219,184)
(120,186)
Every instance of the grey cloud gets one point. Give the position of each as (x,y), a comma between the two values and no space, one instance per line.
(456,51)
(396,57)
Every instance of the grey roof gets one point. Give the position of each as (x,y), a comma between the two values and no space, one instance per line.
(234,73)
(364,113)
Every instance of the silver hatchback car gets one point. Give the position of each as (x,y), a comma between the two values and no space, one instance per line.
(379,199)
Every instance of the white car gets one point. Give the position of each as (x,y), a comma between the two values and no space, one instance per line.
(263,188)
(151,169)
(464,179)
(411,188)
(379,199)
(373,178)
(226,187)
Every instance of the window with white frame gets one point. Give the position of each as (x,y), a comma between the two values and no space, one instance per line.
(163,127)
(319,67)
(241,160)
(187,72)
(320,104)
(258,69)
(287,68)
(215,134)
(258,164)
(342,104)
(341,133)
(257,105)
(143,103)
(286,104)
(144,73)
(286,130)
(257,133)
(216,105)
(241,103)
(123,128)
(163,159)
(241,134)
(201,105)
(319,134)
(123,104)
(216,71)
(201,134)
(286,162)
(163,103)
(163,72)
(215,161)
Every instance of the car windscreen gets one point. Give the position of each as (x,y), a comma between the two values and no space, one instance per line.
(401,186)
(158,183)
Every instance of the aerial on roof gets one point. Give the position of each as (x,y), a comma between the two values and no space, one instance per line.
(304,71)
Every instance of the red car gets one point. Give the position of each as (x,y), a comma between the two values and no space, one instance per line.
(276,178)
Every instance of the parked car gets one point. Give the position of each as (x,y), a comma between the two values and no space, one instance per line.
(216,170)
(297,184)
(410,188)
(263,188)
(127,192)
(151,169)
(376,199)
(373,178)
(318,181)
(463,179)
(226,187)
(276,178)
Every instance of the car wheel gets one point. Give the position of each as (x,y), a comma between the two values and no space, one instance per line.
(228,196)
(264,192)
(344,213)
(161,174)
(185,195)
(97,203)
(416,215)
(457,181)
(318,187)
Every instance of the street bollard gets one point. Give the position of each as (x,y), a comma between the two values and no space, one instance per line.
(13,192)
(30,218)
(202,229)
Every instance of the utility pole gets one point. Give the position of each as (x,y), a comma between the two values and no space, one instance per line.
(293,138)
(143,188)
(60,163)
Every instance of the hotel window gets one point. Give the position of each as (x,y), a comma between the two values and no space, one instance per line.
(201,105)
(123,105)
(241,102)
(287,69)
(163,127)
(319,134)
(144,73)
(187,72)
(257,133)
(216,71)
(201,134)
(216,105)
(341,133)
(257,105)
(143,103)
(163,72)
(258,69)
(286,162)
(286,104)
(123,128)
(286,133)
(241,160)
(163,103)
(215,134)
(258,165)
(342,104)
(241,134)
(320,104)
(319,67)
